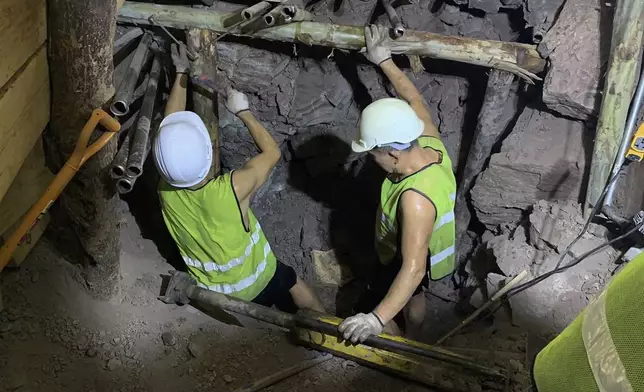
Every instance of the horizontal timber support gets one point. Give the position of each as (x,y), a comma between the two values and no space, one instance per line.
(520,59)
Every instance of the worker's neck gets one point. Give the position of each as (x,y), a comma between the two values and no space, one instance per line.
(416,159)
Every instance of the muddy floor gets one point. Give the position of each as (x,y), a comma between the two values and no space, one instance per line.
(55,337)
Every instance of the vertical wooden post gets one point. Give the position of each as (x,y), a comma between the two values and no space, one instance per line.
(80,61)
(626,47)
(202,41)
(489,128)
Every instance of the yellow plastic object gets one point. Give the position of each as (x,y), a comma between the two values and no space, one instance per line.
(635,151)
(408,366)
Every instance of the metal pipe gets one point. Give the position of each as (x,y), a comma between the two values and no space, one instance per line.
(290,321)
(271,17)
(126,39)
(117,169)
(291,13)
(140,140)
(636,106)
(123,97)
(256,10)
(394,19)
(125,184)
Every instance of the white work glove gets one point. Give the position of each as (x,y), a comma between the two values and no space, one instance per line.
(374,37)
(359,327)
(236,102)
(180,60)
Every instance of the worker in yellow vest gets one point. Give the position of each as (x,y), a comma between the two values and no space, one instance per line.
(209,217)
(602,350)
(415,222)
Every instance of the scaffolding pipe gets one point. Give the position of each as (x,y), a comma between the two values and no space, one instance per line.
(140,139)
(394,19)
(117,167)
(123,97)
(520,59)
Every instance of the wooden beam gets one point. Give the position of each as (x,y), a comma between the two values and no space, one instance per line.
(30,183)
(24,30)
(621,80)
(489,128)
(202,41)
(516,58)
(24,113)
(80,37)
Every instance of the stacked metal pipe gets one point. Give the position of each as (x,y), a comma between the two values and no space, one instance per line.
(127,165)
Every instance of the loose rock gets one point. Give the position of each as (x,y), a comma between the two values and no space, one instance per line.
(228,378)
(113,364)
(195,350)
(169,339)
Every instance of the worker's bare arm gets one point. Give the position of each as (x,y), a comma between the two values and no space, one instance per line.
(407,91)
(417,215)
(177,99)
(255,172)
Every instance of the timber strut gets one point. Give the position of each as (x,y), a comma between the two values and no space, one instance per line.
(520,59)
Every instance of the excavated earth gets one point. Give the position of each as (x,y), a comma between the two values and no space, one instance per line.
(322,197)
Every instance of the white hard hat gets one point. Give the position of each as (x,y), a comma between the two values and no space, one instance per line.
(386,121)
(182,149)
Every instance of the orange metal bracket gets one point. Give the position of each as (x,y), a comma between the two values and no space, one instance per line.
(82,152)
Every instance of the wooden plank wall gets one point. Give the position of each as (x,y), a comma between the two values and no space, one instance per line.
(24,112)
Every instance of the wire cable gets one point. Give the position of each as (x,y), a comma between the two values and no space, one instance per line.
(558,268)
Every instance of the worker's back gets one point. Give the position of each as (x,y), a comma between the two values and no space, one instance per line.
(603,349)
(220,252)
(437,183)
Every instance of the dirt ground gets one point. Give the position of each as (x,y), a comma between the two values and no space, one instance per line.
(55,337)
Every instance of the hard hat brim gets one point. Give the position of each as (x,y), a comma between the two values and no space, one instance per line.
(358,147)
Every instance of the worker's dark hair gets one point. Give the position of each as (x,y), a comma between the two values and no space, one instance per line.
(389,149)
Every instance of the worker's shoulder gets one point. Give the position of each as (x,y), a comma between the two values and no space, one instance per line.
(434,142)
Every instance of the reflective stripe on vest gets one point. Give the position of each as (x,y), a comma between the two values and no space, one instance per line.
(226,288)
(211,266)
(604,360)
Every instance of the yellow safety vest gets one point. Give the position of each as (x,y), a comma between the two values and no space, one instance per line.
(220,252)
(602,350)
(437,183)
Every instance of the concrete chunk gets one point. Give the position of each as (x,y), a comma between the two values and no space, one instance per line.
(578,51)
(543,158)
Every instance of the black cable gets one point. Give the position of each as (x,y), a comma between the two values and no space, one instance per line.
(558,268)
(573,263)
(592,215)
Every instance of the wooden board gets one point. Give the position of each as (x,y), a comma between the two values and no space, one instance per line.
(25,190)
(24,113)
(28,241)
(24,29)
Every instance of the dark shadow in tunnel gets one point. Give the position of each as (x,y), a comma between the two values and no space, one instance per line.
(348,184)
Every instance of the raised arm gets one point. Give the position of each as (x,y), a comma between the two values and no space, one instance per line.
(248,179)
(380,55)
(177,99)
